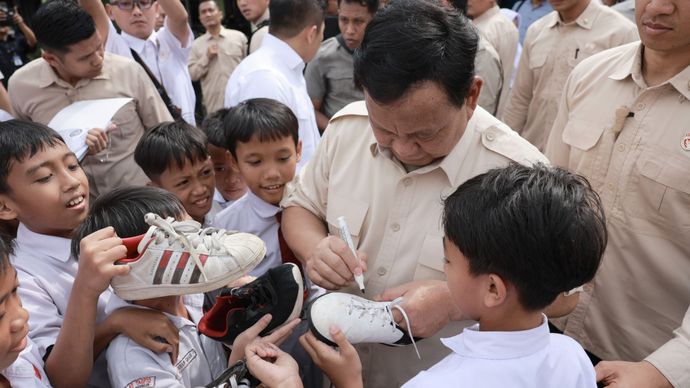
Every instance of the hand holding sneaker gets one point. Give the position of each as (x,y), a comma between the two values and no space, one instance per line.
(252,334)
(153,329)
(98,253)
(343,366)
(272,366)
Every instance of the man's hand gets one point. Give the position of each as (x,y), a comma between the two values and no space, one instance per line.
(427,303)
(343,366)
(622,374)
(153,330)
(17,18)
(252,334)
(98,253)
(212,51)
(272,366)
(331,264)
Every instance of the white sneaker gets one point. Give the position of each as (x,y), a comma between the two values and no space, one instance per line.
(179,258)
(361,320)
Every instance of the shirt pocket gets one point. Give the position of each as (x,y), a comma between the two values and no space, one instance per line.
(658,197)
(341,81)
(430,260)
(354,211)
(588,154)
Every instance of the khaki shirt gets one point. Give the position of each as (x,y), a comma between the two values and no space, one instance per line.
(258,34)
(214,73)
(487,65)
(330,77)
(642,290)
(552,49)
(38,94)
(395,215)
(503,36)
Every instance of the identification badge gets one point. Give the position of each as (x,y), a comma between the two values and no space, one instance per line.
(17,60)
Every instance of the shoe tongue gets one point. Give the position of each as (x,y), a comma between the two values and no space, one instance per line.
(189,226)
(147,237)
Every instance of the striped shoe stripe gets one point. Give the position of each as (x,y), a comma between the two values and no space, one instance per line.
(179,269)
(162,265)
(197,271)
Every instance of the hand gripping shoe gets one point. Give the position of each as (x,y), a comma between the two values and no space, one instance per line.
(361,320)
(179,258)
(279,292)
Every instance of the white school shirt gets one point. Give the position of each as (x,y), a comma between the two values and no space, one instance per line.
(276,71)
(200,359)
(517,359)
(46,272)
(167,59)
(27,371)
(218,198)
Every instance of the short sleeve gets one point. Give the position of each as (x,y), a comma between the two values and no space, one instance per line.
(316,86)
(46,319)
(132,366)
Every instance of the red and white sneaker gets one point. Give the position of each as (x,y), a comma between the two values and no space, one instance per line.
(179,258)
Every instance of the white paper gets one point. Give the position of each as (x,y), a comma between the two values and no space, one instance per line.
(74,121)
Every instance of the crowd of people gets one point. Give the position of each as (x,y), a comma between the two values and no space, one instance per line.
(485,196)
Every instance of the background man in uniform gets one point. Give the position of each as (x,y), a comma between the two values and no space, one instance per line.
(258,15)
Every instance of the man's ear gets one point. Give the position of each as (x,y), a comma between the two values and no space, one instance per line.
(7,212)
(473,96)
(496,291)
(311,33)
(109,11)
(50,57)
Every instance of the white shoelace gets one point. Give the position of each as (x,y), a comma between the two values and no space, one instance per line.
(383,314)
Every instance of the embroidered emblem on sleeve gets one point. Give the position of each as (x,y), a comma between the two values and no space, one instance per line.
(142,382)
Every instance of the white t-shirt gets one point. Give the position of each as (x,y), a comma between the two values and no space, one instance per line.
(167,59)
(276,71)
(519,359)
(27,371)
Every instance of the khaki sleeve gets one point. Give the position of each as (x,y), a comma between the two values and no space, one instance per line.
(150,106)
(515,112)
(556,150)
(17,96)
(198,61)
(671,359)
(488,67)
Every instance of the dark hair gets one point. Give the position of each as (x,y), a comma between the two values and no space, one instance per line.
(212,1)
(540,228)
(372,5)
(20,140)
(213,127)
(268,119)
(59,24)
(409,42)
(5,252)
(290,17)
(167,143)
(124,209)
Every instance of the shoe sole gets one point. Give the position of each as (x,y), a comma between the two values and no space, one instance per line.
(149,291)
(297,308)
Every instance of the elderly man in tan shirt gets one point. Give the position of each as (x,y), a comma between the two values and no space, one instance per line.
(385,164)
(215,55)
(554,44)
(74,68)
(502,34)
(624,123)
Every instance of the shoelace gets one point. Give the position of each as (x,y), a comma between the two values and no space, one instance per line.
(178,231)
(384,314)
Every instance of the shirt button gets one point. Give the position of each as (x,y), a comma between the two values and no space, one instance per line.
(381,271)
(621,147)
(610,186)
(490,136)
(395,227)
(639,106)
(407,181)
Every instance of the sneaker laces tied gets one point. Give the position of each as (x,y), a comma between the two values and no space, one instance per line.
(175,230)
(385,315)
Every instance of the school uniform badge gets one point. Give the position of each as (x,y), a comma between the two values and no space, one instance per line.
(142,382)
(685,142)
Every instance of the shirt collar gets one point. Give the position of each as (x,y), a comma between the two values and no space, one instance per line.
(585,20)
(260,20)
(286,53)
(264,209)
(58,248)
(499,345)
(138,44)
(48,76)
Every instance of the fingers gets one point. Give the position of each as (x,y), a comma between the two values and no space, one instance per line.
(97,140)
(342,342)
(346,257)
(392,293)
(603,370)
(259,326)
(283,332)
(314,347)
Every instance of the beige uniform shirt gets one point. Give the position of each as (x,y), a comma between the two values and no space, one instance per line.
(639,163)
(214,73)
(552,48)
(38,94)
(258,34)
(487,65)
(395,215)
(503,36)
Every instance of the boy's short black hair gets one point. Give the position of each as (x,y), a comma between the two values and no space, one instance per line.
(59,24)
(372,5)
(540,228)
(290,17)
(20,140)
(124,209)
(167,143)
(213,127)
(268,119)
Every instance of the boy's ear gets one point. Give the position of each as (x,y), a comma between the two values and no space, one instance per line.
(496,291)
(6,209)
(298,150)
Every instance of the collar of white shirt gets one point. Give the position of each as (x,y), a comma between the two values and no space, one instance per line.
(262,208)
(137,44)
(499,345)
(54,247)
(287,54)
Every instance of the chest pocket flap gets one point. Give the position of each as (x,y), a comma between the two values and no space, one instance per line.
(582,134)
(353,210)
